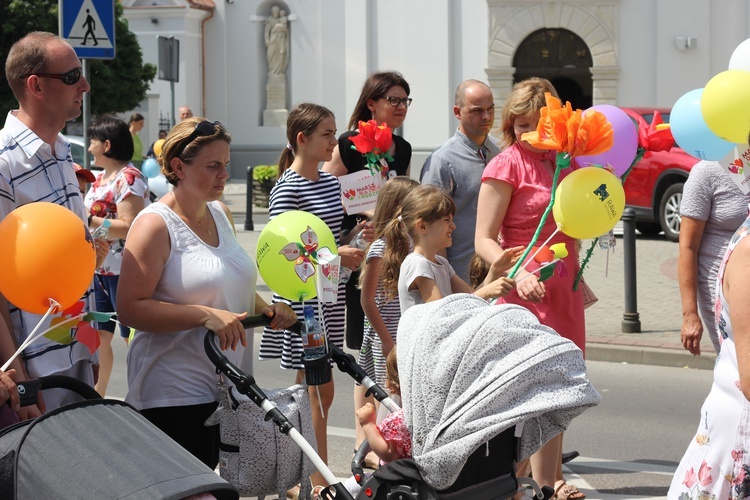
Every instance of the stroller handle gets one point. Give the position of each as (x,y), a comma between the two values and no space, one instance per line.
(28,390)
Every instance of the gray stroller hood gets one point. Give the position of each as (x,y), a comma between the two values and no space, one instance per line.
(469,370)
(100,449)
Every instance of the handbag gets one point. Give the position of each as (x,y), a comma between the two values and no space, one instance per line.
(589,299)
(254,455)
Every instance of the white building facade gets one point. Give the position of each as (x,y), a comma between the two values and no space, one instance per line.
(623,52)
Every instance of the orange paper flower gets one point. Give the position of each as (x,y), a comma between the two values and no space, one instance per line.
(573,132)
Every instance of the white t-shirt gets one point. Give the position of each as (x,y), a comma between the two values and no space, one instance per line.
(416,265)
(173,369)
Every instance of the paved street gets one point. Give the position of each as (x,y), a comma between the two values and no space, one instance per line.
(630,444)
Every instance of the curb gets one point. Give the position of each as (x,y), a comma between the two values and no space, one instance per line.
(649,356)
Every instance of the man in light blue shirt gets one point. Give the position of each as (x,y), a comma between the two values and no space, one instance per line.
(457,166)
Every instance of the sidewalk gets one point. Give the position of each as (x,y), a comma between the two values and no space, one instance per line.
(658,299)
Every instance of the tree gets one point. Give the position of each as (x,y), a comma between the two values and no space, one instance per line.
(117,85)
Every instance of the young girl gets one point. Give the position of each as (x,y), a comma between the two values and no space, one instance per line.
(427,217)
(391,438)
(382,313)
(311,136)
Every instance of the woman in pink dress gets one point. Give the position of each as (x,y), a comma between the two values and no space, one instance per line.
(516,190)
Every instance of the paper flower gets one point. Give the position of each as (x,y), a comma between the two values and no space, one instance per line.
(374,141)
(575,133)
(550,261)
(306,254)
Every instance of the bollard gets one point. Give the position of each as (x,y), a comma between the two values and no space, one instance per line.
(249,201)
(631,322)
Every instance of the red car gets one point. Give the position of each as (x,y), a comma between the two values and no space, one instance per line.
(654,186)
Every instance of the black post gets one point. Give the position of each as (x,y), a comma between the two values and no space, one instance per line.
(631,322)
(249,201)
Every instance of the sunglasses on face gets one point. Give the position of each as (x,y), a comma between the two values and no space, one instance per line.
(202,129)
(69,78)
(397,101)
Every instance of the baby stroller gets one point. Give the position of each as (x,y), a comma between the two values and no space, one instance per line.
(97,448)
(486,467)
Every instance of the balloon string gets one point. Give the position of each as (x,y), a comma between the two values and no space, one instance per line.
(584,263)
(539,248)
(32,337)
(513,271)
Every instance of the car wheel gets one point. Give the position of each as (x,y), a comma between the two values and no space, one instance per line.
(648,228)
(669,212)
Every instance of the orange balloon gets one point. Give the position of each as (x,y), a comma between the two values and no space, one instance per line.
(46,252)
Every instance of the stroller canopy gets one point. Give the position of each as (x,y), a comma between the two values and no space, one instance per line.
(469,370)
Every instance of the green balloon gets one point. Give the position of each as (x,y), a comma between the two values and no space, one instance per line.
(289,248)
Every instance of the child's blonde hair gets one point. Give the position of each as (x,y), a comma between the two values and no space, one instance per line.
(478,270)
(390,198)
(391,373)
(427,203)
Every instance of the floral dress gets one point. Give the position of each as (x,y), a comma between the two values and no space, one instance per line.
(393,428)
(102,199)
(716,464)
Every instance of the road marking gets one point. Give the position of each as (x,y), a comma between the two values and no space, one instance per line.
(603,463)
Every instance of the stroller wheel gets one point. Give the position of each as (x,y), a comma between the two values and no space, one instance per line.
(402,492)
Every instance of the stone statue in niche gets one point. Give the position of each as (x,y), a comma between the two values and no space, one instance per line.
(276,36)
(277,41)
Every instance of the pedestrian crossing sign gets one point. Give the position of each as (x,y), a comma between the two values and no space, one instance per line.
(89,27)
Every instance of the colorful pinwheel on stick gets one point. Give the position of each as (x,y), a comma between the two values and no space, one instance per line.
(374,141)
(306,254)
(571,134)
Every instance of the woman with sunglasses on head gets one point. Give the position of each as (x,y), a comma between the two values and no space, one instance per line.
(183,271)
(311,136)
(116,196)
(385,99)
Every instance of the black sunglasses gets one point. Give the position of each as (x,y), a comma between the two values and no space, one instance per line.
(69,78)
(202,129)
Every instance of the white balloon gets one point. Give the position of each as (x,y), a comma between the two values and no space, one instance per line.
(741,57)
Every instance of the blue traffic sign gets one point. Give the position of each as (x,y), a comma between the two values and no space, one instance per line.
(89,27)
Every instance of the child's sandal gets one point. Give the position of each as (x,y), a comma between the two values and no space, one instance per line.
(317,492)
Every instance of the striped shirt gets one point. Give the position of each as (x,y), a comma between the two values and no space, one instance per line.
(31,171)
(321,198)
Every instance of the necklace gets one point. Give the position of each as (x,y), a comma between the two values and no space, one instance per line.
(206,229)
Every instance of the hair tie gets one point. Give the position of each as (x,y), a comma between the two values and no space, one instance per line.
(289,147)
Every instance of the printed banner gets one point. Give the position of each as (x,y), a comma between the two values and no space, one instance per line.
(359,191)
(327,279)
(737,165)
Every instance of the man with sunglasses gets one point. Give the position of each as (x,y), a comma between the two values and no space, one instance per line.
(457,166)
(45,75)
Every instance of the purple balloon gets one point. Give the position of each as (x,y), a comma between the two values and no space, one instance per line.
(624,147)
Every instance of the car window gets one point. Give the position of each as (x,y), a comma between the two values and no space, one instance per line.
(76,151)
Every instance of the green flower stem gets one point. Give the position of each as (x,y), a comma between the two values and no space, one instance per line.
(561,161)
(584,263)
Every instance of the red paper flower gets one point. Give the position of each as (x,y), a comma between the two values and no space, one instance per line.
(565,130)
(372,138)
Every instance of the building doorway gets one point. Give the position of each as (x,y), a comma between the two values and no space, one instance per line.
(563,58)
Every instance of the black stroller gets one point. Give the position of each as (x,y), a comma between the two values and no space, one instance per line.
(97,448)
(489,473)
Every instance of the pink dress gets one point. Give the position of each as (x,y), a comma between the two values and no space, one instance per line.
(530,174)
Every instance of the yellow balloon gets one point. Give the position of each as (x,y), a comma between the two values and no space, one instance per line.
(725,105)
(588,203)
(158,145)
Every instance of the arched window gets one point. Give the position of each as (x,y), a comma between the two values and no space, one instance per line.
(562,57)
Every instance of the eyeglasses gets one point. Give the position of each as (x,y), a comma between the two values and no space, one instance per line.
(202,129)
(397,101)
(69,78)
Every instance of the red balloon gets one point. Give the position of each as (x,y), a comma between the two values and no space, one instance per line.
(46,252)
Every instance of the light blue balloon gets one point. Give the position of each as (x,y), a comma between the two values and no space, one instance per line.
(690,131)
(150,168)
